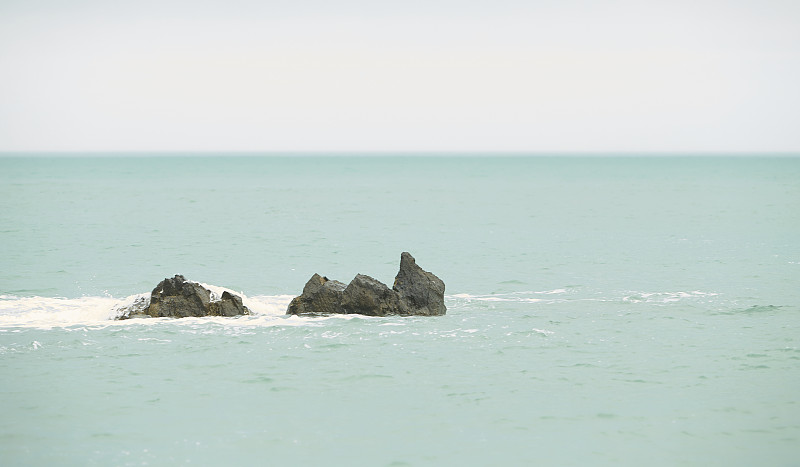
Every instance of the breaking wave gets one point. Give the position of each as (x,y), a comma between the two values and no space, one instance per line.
(49,312)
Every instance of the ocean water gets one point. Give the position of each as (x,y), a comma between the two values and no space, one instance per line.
(601,311)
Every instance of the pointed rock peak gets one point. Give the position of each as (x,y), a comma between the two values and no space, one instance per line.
(406,260)
(420,290)
(320,296)
(415,292)
(229,296)
(314,284)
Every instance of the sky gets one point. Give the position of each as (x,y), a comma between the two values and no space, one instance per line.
(357,75)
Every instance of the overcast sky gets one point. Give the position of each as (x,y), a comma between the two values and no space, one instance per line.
(238,75)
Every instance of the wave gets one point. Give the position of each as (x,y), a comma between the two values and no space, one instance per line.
(528,296)
(577,295)
(665,297)
(49,312)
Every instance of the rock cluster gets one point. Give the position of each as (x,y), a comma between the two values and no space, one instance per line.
(179,298)
(415,292)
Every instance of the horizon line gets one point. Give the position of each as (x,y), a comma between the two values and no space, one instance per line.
(396,153)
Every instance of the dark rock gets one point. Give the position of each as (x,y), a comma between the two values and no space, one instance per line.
(133,310)
(421,291)
(367,296)
(320,296)
(415,292)
(180,298)
(228,305)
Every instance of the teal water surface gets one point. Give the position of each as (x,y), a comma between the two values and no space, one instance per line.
(601,311)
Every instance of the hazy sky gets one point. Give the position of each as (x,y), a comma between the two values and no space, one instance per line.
(400,76)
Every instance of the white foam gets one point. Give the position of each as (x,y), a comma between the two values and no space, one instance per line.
(533,297)
(522,296)
(49,312)
(266,310)
(509,297)
(665,297)
(267,305)
(270,305)
(216,291)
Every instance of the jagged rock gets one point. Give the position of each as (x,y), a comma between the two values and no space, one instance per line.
(228,305)
(367,296)
(420,290)
(179,298)
(320,296)
(415,292)
(133,310)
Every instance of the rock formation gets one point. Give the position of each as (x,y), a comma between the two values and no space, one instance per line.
(422,291)
(415,292)
(320,296)
(179,298)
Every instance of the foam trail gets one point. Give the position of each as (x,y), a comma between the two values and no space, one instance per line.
(267,305)
(49,312)
(665,297)
(270,305)
(270,310)
(466,300)
(46,312)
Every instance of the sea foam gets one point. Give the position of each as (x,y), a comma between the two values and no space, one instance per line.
(267,310)
(49,312)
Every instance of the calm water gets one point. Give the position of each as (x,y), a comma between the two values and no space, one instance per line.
(601,311)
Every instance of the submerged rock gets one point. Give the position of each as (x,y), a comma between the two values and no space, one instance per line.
(132,310)
(180,298)
(415,292)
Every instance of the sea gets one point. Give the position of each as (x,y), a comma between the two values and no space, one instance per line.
(620,310)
